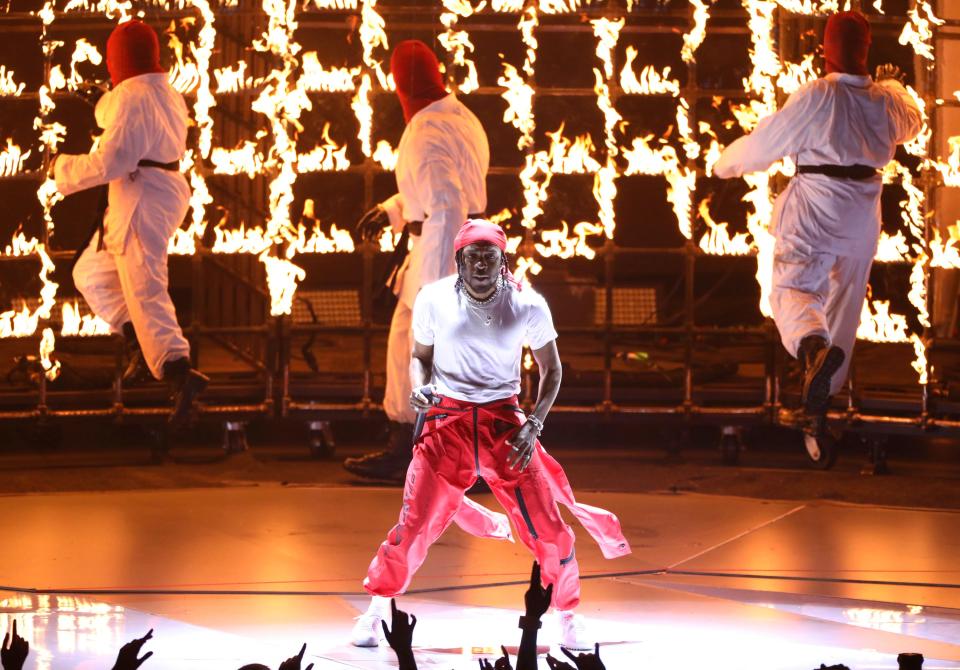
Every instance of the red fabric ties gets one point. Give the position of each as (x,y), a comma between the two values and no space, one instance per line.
(846,41)
(132,49)
(416,72)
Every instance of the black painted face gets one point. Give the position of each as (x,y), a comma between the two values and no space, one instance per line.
(482,263)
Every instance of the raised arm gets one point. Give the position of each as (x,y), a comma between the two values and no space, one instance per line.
(785,132)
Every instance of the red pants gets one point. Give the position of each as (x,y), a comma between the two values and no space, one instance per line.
(460,442)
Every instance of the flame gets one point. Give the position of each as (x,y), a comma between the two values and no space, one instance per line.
(519,112)
(87,325)
(24,323)
(11,159)
(892,248)
(527,361)
(83,52)
(8,85)
(21,246)
(607,33)
(457,42)
(920,145)
(650,82)
(112,8)
(918,290)
(797,74)
(717,241)
(693,39)
(364,113)
(950,170)
(917,31)
(559,243)
(245,159)
(386,156)
(326,157)
(233,78)
(282,278)
(920,362)
(51,367)
(315,77)
(945,254)
(18,323)
(526,264)
(334,4)
(879,325)
(566,157)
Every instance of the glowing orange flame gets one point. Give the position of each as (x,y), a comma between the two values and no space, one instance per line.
(11,159)
(650,81)
(693,39)
(326,157)
(892,248)
(879,325)
(917,31)
(77,325)
(717,240)
(8,85)
(51,367)
(316,77)
(559,243)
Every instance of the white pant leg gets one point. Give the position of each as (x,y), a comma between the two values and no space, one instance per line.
(96,278)
(396,397)
(798,297)
(848,289)
(143,277)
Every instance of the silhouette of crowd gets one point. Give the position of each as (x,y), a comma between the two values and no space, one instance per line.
(399,635)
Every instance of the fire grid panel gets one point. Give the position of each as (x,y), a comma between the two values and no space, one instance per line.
(604,119)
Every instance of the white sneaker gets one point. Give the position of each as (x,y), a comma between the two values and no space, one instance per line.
(367,631)
(573,632)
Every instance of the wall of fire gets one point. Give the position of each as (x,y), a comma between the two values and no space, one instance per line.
(604,119)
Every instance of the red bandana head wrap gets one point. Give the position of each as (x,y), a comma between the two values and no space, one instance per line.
(481,230)
(416,72)
(132,49)
(846,42)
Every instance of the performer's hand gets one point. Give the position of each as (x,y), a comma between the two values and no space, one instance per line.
(294,662)
(522,445)
(556,664)
(400,633)
(586,661)
(889,71)
(371,224)
(537,599)
(127,658)
(424,397)
(15,650)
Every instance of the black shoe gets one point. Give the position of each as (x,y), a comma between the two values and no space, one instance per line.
(820,364)
(390,464)
(137,371)
(186,384)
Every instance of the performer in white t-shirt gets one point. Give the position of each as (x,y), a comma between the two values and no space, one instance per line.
(469,331)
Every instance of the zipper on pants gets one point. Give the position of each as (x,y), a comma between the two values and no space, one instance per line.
(525,513)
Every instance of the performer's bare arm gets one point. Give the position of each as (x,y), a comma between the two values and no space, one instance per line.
(421,371)
(524,441)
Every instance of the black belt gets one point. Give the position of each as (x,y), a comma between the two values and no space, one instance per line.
(97,228)
(857,172)
(172,166)
(415,228)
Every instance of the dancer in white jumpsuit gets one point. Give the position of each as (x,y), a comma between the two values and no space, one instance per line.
(122,273)
(441,172)
(840,130)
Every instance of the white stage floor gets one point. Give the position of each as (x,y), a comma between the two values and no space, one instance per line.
(237,575)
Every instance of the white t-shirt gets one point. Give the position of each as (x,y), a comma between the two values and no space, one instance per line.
(477,349)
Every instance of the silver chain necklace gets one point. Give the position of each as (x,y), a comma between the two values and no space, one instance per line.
(485,301)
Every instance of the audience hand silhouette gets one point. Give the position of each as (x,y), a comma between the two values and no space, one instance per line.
(586,661)
(294,662)
(502,663)
(127,657)
(537,598)
(400,633)
(15,650)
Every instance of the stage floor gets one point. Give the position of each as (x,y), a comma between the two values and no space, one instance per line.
(241,574)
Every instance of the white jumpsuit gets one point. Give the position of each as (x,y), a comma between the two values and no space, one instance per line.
(143,118)
(826,229)
(442,165)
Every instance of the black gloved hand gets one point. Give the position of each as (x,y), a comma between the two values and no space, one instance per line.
(372,224)
(889,71)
